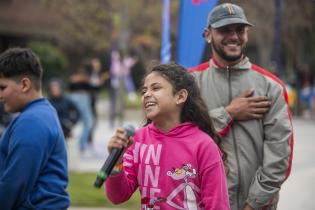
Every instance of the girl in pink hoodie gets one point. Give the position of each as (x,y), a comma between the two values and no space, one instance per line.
(175,159)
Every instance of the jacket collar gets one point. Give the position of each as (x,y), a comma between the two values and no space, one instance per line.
(242,65)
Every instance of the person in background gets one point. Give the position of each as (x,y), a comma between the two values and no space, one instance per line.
(67,111)
(292,96)
(97,80)
(121,84)
(248,106)
(80,88)
(128,62)
(116,89)
(33,157)
(175,158)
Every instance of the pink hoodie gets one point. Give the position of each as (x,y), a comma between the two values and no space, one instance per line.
(179,169)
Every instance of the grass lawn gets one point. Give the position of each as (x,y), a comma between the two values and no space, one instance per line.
(83,193)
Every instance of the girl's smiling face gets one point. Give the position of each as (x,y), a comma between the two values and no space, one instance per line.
(159,101)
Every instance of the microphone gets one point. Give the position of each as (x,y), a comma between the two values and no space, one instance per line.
(111,160)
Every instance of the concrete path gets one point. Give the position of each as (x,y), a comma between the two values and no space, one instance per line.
(299,190)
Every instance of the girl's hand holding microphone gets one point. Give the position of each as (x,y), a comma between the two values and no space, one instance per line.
(117,145)
(121,140)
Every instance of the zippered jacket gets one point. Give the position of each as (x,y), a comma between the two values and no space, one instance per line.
(259,151)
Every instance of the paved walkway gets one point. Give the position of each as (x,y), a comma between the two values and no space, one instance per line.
(299,190)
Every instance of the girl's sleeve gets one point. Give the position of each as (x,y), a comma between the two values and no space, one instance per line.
(214,188)
(213,184)
(119,188)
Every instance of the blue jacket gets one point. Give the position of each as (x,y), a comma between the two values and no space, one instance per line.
(33,161)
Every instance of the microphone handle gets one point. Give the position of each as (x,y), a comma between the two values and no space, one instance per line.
(107,167)
(112,160)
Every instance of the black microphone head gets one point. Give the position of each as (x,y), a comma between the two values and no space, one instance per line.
(130,130)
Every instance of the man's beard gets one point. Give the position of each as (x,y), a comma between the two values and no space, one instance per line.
(223,55)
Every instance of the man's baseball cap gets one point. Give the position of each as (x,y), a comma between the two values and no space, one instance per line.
(227,14)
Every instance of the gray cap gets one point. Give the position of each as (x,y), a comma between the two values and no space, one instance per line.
(227,14)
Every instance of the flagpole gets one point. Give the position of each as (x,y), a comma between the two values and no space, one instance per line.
(166,33)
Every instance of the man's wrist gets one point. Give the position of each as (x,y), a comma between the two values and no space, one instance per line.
(229,110)
(248,207)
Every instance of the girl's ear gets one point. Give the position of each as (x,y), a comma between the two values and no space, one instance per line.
(181,96)
(26,84)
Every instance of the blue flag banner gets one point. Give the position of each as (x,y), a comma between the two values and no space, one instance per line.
(192,21)
(166,33)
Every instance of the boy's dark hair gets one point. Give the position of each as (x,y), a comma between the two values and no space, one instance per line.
(195,109)
(16,63)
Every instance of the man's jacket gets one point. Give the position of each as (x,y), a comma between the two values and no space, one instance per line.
(259,151)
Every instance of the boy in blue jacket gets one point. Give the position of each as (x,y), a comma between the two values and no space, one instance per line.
(33,158)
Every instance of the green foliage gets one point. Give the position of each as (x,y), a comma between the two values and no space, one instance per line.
(83,193)
(54,62)
(95,26)
(133,103)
